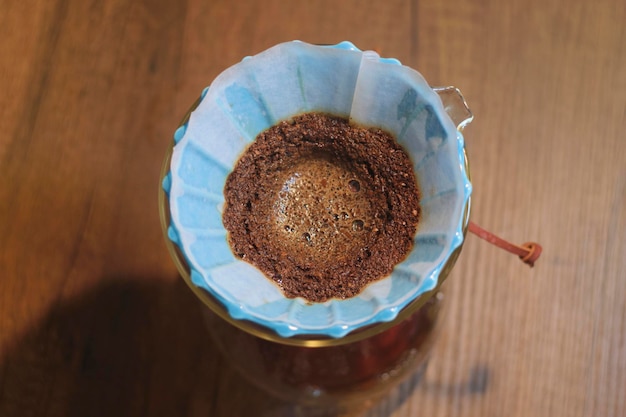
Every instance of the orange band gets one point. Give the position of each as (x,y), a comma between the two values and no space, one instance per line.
(529,252)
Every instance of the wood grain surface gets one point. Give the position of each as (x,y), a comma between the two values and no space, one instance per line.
(94,320)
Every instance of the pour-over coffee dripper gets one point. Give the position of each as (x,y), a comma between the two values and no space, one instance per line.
(341,348)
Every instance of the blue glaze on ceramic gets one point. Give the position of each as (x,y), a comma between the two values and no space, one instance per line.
(345,45)
(180,132)
(277,84)
(167,182)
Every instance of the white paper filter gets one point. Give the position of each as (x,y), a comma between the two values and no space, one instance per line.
(283,81)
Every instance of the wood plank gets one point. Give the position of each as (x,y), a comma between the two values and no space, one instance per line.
(545,155)
(93,317)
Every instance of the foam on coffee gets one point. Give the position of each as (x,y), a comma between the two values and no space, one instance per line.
(322,207)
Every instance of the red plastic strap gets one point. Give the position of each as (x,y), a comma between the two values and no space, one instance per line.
(529,252)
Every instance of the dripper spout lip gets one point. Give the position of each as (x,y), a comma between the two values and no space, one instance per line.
(455,106)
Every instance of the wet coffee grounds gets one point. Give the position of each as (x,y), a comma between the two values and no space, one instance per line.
(322,207)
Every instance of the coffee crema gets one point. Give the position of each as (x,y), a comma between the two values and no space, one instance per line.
(322,207)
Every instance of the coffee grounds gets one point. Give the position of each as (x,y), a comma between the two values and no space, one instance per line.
(322,207)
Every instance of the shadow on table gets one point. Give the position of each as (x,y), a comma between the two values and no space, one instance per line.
(132,347)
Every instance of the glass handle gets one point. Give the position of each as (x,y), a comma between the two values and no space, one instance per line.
(455,105)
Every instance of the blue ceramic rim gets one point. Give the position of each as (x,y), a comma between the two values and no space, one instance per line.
(337,329)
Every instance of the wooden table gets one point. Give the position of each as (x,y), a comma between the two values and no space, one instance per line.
(95,321)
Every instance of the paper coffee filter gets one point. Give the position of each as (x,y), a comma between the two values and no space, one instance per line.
(277,84)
